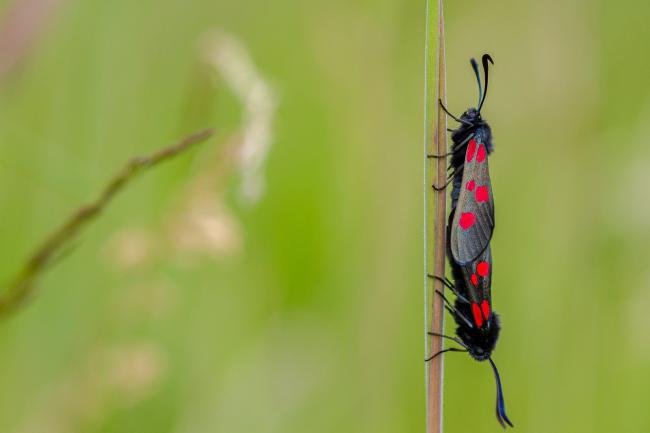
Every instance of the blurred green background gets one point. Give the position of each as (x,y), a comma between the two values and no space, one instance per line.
(191,307)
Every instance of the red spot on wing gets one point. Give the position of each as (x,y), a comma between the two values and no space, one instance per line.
(471,150)
(482,194)
(481,154)
(483,268)
(470,185)
(485,308)
(467,220)
(474,279)
(476,312)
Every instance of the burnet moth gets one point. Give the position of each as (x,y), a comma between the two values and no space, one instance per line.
(469,231)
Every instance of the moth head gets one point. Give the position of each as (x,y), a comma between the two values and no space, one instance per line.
(480,341)
(472,115)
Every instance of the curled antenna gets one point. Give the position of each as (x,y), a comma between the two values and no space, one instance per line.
(501,406)
(485,59)
(472,61)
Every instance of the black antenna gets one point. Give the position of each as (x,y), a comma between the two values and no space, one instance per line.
(485,59)
(501,405)
(472,61)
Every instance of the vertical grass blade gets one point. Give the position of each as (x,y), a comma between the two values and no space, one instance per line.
(435,205)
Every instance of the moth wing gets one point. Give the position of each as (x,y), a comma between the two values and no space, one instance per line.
(473,222)
(478,277)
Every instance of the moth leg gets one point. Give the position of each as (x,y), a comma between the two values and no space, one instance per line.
(450,349)
(455,313)
(451,115)
(448,337)
(444,281)
(450,283)
(453,310)
(466,140)
(445,300)
(435,188)
(455,172)
(457,146)
(450,178)
(449,307)
(450,286)
(431,155)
